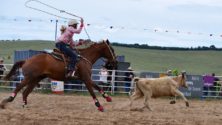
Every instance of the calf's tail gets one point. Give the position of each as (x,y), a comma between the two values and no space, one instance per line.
(136,87)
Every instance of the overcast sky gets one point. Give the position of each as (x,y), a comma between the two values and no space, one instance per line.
(183,23)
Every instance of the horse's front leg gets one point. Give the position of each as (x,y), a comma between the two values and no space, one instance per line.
(105,95)
(89,84)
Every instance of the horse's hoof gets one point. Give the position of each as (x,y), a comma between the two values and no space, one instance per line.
(108,99)
(100,108)
(3,103)
(172,102)
(187,104)
(24,106)
(2,106)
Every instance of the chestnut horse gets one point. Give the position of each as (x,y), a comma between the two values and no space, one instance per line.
(44,65)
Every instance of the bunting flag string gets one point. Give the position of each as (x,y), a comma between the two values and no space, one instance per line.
(111,27)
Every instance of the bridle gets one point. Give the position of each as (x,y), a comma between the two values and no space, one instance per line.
(113,56)
(110,63)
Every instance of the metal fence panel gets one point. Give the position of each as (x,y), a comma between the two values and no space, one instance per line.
(195,83)
(195,86)
(25,54)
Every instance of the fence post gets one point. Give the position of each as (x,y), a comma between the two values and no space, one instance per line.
(113,82)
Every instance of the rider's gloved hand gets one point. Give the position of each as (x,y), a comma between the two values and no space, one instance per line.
(81,25)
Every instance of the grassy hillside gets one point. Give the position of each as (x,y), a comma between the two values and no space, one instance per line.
(7,48)
(195,62)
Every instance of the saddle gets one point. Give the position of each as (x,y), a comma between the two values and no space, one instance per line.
(57,54)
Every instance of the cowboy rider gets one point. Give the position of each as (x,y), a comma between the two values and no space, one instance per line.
(66,44)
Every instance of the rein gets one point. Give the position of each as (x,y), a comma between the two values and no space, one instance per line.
(52,14)
(86,60)
(101,58)
(110,51)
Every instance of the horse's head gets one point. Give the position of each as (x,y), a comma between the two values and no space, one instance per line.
(109,54)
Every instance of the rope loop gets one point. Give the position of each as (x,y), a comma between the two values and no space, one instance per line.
(52,14)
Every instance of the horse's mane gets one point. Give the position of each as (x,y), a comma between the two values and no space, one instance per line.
(87,44)
(92,45)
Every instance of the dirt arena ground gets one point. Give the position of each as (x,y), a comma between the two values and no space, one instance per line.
(74,109)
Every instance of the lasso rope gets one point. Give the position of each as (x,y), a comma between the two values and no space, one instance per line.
(52,14)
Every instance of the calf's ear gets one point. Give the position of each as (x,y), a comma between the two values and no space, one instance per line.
(183,74)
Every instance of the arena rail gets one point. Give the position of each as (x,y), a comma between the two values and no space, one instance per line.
(116,83)
(214,91)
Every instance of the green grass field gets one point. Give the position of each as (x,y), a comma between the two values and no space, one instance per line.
(194,62)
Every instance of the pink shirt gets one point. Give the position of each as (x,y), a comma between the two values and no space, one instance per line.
(66,37)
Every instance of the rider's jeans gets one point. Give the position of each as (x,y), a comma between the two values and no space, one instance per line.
(69,52)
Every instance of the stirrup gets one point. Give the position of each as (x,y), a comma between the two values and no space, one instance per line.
(70,74)
(73,73)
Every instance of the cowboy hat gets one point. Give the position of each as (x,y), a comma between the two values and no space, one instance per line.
(72,22)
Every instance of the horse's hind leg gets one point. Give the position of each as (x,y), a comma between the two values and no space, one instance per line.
(105,95)
(13,95)
(26,92)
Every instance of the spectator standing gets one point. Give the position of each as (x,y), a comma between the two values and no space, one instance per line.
(2,67)
(215,85)
(17,78)
(208,85)
(129,77)
(103,74)
(169,73)
(175,72)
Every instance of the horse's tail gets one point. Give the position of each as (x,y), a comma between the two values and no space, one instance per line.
(16,66)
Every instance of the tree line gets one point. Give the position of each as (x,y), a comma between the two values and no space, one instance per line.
(146,46)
